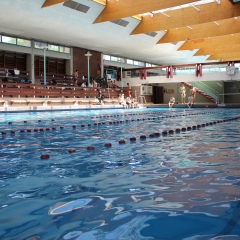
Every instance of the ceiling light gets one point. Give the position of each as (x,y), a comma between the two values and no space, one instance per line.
(216,23)
(189,27)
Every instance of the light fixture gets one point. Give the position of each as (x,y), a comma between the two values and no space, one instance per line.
(216,23)
(189,27)
(88,55)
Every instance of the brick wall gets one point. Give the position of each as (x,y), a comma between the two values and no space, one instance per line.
(80,62)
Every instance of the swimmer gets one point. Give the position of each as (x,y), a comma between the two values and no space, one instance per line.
(182,90)
(171,101)
(193,93)
(190,101)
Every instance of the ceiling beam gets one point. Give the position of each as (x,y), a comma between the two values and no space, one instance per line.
(127,8)
(211,42)
(211,50)
(225,27)
(49,3)
(225,56)
(188,16)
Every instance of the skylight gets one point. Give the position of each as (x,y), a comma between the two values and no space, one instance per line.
(193,4)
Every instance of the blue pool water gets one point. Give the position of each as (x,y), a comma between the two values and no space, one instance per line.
(178,186)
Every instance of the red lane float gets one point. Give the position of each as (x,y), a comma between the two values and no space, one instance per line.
(121,141)
(89,124)
(35,130)
(107,144)
(184,129)
(157,134)
(152,135)
(189,128)
(29,130)
(41,129)
(3,133)
(132,139)
(72,150)
(142,137)
(45,156)
(74,126)
(164,133)
(12,132)
(90,148)
(203,125)
(82,125)
(194,127)
(25,121)
(9,122)
(178,130)
(39,120)
(61,127)
(22,131)
(53,128)
(47,129)
(171,131)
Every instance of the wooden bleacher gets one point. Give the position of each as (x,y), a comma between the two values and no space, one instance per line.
(27,94)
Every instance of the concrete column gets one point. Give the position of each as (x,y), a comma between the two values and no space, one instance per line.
(102,66)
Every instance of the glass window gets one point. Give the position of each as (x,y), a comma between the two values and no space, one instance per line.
(114,59)
(135,63)
(23,42)
(40,45)
(53,48)
(106,57)
(148,64)
(9,40)
(129,61)
(64,49)
(0,38)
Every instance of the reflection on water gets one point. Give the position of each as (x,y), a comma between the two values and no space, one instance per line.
(181,186)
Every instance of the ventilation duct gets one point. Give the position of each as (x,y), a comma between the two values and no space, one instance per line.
(151,34)
(76,6)
(120,22)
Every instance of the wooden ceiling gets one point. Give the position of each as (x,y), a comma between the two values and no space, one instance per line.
(213,28)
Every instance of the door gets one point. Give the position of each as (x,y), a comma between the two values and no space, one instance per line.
(158,95)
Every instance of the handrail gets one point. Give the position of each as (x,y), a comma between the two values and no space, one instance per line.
(206,89)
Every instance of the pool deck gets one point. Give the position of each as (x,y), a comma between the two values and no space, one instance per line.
(60,104)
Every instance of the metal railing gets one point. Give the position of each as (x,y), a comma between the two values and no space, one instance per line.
(206,89)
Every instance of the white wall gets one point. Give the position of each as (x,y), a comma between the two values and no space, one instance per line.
(182,78)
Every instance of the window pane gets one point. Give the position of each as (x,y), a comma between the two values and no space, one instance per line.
(23,42)
(0,38)
(129,61)
(64,49)
(40,45)
(9,40)
(135,62)
(53,47)
(106,57)
(115,59)
(148,64)
(141,64)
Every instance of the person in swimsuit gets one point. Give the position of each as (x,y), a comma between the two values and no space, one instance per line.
(193,93)
(75,78)
(182,90)
(171,101)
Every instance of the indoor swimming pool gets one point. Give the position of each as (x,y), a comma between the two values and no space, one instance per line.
(138,174)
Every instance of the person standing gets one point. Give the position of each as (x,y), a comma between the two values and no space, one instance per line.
(75,78)
(193,93)
(182,90)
